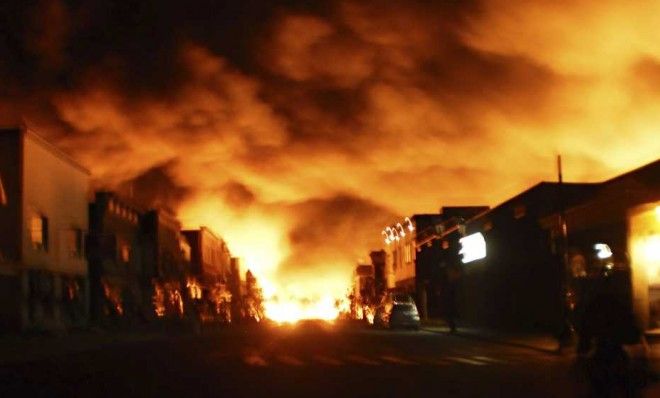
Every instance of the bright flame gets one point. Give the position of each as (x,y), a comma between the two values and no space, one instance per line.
(195,288)
(292,310)
(259,239)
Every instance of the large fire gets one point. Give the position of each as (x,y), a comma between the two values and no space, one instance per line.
(293,309)
(269,139)
(258,239)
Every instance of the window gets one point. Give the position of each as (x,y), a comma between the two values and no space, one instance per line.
(125,252)
(39,232)
(519,211)
(74,242)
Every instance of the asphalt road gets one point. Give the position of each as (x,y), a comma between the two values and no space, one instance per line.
(312,360)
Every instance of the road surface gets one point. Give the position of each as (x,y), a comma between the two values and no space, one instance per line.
(311,359)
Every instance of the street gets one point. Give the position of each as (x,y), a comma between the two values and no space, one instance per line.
(310,359)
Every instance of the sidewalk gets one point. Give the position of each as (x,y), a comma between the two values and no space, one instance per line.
(545,343)
(537,342)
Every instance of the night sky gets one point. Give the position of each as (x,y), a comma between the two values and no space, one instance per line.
(302,128)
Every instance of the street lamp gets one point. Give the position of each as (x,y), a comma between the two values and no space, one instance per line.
(400,230)
(409,224)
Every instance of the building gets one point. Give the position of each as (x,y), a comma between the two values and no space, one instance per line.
(364,284)
(378,262)
(166,256)
(413,255)
(619,227)
(511,275)
(210,258)
(43,219)
(363,299)
(209,275)
(115,257)
(237,289)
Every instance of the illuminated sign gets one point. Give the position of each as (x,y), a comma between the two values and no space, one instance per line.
(473,247)
(603,251)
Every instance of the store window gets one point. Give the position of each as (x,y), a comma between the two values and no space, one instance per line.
(39,232)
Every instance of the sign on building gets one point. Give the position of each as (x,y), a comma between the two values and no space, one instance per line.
(473,247)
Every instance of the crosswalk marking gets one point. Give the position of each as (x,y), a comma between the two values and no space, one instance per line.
(467,361)
(328,361)
(289,360)
(255,360)
(362,360)
(397,360)
(488,359)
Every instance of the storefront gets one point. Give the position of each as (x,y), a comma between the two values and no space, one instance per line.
(644,250)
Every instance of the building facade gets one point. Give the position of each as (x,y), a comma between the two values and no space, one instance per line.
(619,228)
(413,255)
(515,282)
(43,220)
(209,275)
(378,262)
(115,257)
(166,256)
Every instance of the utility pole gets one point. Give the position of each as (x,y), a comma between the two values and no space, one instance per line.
(564,272)
(562,216)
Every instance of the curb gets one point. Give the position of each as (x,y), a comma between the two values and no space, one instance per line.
(496,340)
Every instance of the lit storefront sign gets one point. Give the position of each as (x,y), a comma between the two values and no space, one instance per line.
(473,247)
(603,251)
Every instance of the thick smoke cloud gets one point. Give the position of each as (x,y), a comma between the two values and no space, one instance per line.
(298,130)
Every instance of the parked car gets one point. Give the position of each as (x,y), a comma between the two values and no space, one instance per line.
(397,311)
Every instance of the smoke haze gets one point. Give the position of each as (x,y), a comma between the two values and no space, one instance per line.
(298,130)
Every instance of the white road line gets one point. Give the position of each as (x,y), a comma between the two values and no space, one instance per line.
(467,361)
(254,360)
(327,360)
(289,360)
(397,360)
(489,359)
(362,360)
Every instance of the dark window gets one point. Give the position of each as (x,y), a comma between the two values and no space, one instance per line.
(74,242)
(519,211)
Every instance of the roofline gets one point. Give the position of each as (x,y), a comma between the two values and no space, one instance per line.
(27,131)
(210,231)
(122,199)
(541,183)
(203,228)
(633,171)
(556,183)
